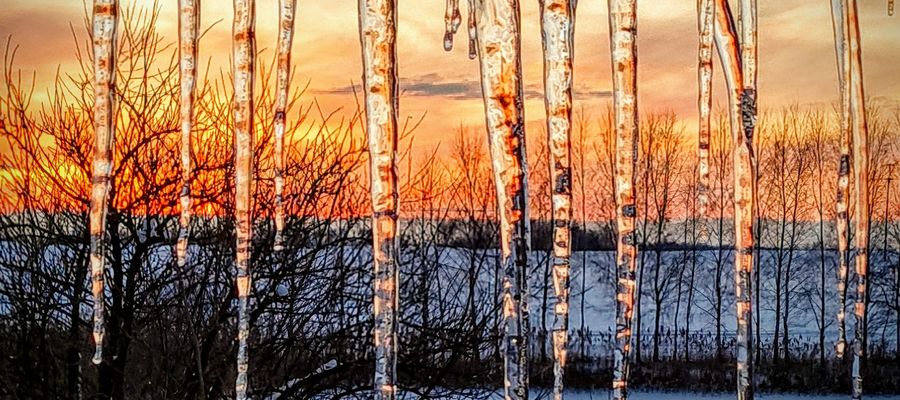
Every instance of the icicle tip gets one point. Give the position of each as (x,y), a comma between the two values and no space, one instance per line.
(448,41)
(98,356)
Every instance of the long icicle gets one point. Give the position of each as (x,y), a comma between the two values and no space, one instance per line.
(842,223)
(105,19)
(558,34)
(730,53)
(705,20)
(243,57)
(861,184)
(473,31)
(623,46)
(745,201)
(286,12)
(499,49)
(188,34)
(378,32)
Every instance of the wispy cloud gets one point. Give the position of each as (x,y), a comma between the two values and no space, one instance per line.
(435,85)
(427,85)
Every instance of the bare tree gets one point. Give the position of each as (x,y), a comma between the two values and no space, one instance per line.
(787,168)
(661,142)
(821,153)
(541,214)
(691,237)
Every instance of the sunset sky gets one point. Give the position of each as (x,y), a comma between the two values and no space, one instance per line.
(796,54)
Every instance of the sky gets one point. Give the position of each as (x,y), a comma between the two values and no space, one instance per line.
(797,63)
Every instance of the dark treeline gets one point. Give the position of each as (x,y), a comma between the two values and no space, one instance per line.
(171,332)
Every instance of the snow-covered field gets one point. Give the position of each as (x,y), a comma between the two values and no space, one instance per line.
(656,395)
(640,395)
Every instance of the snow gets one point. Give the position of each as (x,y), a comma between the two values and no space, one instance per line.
(643,395)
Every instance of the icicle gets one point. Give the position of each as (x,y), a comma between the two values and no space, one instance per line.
(730,55)
(744,202)
(105,19)
(861,184)
(705,15)
(727,46)
(622,36)
(188,27)
(286,12)
(558,33)
(499,46)
(452,20)
(377,31)
(473,31)
(243,57)
(842,224)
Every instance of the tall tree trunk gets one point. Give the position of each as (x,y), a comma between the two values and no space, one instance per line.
(861,184)
(499,47)
(705,21)
(188,35)
(105,19)
(243,57)
(842,224)
(378,33)
(622,35)
(558,33)
(286,12)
